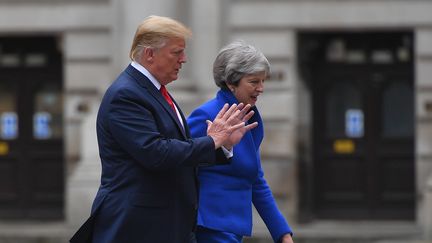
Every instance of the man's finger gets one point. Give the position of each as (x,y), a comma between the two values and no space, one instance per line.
(229,112)
(248,116)
(240,106)
(237,126)
(234,118)
(251,126)
(222,111)
(246,108)
(209,123)
(239,114)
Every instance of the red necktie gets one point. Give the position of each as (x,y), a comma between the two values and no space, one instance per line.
(165,94)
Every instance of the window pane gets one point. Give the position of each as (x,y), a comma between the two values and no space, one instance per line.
(382,56)
(36,60)
(47,119)
(8,113)
(341,98)
(398,111)
(10,60)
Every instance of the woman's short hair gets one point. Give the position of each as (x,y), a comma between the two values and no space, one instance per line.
(236,60)
(154,31)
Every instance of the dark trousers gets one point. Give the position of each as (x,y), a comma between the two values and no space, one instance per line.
(192,238)
(206,235)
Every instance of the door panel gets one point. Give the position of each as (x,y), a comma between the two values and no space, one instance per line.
(340,162)
(31,157)
(394,144)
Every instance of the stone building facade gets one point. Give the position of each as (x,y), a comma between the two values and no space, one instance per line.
(94,36)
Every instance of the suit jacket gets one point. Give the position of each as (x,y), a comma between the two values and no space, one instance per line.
(227,192)
(148,190)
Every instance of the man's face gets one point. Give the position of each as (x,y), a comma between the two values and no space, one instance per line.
(167,61)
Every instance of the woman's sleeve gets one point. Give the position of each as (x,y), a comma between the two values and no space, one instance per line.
(197,123)
(266,206)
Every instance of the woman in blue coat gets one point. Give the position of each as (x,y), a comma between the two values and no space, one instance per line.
(227,192)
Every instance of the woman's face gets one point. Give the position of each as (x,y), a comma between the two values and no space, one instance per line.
(249,88)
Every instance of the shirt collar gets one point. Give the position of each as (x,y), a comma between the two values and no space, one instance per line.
(146,73)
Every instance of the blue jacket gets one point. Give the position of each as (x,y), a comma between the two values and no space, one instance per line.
(227,192)
(148,190)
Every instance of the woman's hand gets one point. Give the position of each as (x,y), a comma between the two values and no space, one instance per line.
(287,239)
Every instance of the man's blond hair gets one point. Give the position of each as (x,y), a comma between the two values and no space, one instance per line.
(153,32)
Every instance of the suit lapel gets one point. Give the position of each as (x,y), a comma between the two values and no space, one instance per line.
(146,83)
(258,132)
(185,129)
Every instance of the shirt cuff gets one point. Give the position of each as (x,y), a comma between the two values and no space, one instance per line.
(228,153)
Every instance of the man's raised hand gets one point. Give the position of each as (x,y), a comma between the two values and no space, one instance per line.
(229,125)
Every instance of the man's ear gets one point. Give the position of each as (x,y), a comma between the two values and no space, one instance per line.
(148,54)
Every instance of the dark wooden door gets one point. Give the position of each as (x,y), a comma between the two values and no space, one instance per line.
(363,127)
(366,171)
(31,129)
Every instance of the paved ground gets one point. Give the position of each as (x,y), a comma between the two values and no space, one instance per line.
(350,232)
(316,232)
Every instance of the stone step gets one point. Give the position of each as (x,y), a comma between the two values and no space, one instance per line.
(34,232)
(45,239)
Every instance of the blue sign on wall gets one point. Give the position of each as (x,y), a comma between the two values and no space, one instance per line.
(354,123)
(41,125)
(8,125)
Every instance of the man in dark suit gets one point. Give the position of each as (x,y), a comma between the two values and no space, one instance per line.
(148,190)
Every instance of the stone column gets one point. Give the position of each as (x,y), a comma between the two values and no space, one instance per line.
(428,208)
(127,15)
(206,23)
(84,181)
